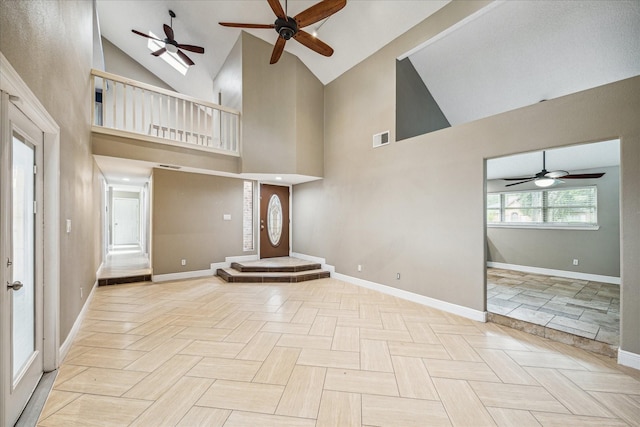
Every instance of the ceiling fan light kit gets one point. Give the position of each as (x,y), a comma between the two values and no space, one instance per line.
(289,27)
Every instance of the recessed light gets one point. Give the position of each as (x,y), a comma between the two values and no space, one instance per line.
(278,178)
(126,179)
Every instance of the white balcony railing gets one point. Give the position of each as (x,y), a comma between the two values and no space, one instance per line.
(168,117)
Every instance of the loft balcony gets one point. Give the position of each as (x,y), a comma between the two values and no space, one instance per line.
(132,109)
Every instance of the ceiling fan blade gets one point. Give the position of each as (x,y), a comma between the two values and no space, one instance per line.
(191,48)
(238,25)
(277,50)
(313,43)
(518,179)
(145,35)
(159,52)
(318,12)
(185,58)
(583,175)
(168,31)
(277,9)
(521,182)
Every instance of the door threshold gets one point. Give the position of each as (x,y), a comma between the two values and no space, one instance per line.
(31,413)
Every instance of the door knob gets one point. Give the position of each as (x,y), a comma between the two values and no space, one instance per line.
(15,285)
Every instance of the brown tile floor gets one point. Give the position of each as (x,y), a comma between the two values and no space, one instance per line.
(583,308)
(322,353)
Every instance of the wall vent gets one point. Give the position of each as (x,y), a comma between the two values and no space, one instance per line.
(169,167)
(381,139)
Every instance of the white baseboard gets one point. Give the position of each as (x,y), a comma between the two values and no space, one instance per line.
(66,345)
(559,273)
(182,275)
(323,262)
(469,313)
(228,260)
(627,358)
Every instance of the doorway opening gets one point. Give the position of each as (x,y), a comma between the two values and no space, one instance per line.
(553,243)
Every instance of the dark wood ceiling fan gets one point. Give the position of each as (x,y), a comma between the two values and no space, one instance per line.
(288,27)
(170,43)
(544,178)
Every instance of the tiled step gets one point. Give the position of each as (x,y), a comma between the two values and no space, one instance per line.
(127,279)
(232,275)
(255,268)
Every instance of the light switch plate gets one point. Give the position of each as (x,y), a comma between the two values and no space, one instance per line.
(227,217)
(68,226)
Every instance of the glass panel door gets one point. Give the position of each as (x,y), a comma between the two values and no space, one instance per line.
(23,221)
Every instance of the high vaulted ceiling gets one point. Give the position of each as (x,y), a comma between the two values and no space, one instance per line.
(361,28)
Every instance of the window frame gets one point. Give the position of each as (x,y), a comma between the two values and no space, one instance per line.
(544,211)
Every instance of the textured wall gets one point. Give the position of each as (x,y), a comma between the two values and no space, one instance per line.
(50,45)
(188,220)
(417,206)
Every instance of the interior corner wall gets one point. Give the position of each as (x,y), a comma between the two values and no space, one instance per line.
(416,207)
(50,44)
(188,211)
(119,63)
(598,251)
(309,119)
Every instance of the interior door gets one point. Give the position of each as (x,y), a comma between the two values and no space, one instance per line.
(274,221)
(22,302)
(126,221)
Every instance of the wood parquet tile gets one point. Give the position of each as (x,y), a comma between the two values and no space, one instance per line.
(321,353)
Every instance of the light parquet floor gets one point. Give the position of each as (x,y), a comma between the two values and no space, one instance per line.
(321,353)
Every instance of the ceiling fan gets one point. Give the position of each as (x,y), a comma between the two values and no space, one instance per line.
(171,45)
(544,178)
(288,27)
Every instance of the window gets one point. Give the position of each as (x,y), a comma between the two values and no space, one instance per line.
(566,207)
(247,216)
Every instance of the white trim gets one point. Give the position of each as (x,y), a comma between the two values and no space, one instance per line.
(68,342)
(323,263)
(182,275)
(627,358)
(542,226)
(28,102)
(469,313)
(228,260)
(560,273)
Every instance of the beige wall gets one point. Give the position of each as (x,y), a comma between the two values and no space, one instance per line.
(188,223)
(228,83)
(598,251)
(417,206)
(50,44)
(118,62)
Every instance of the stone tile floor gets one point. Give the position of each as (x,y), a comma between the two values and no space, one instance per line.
(580,307)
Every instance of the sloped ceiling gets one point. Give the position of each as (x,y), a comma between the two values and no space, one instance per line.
(355,32)
(516,53)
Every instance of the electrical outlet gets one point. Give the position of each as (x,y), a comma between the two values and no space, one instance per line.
(359,267)
(398,276)
(183,262)
(575,262)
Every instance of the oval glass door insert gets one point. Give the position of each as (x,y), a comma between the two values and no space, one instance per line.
(274,220)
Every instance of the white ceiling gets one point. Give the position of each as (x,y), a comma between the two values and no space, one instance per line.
(571,159)
(361,28)
(517,53)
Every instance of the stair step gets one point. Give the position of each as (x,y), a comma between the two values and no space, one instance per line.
(253,268)
(232,275)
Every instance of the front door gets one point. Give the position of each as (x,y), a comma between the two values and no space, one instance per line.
(22,303)
(274,221)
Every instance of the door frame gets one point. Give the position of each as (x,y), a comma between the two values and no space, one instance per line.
(257,211)
(15,90)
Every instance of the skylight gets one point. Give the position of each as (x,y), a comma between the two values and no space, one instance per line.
(170,58)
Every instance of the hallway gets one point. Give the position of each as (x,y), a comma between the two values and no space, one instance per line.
(124,264)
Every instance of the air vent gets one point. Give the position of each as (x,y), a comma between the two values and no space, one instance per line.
(169,167)
(381,139)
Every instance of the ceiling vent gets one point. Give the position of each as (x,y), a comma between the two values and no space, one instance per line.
(381,139)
